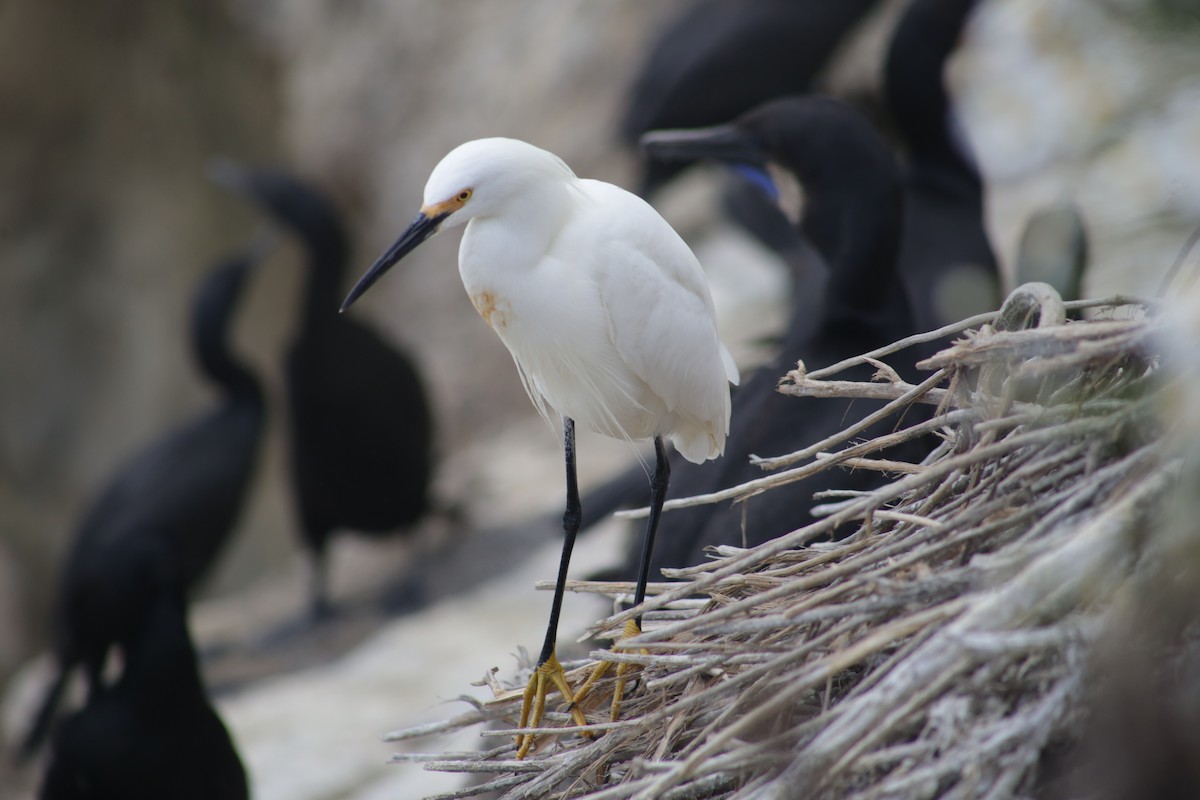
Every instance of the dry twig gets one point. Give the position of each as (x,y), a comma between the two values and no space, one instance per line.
(935,652)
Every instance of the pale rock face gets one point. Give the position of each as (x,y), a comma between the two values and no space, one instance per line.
(1095,101)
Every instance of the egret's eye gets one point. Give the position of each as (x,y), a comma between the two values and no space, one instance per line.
(464,195)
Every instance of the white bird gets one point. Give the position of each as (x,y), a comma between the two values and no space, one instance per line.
(606,313)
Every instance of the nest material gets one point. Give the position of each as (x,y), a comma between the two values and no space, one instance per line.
(939,651)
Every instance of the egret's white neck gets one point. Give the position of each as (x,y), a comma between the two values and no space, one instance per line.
(521,231)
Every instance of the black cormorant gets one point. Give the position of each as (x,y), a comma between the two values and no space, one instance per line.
(360,422)
(721,58)
(852,215)
(165,515)
(946,258)
(152,734)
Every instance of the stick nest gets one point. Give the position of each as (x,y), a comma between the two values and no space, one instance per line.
(937,652)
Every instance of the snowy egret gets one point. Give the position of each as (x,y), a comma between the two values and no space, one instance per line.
(360,422)
(153,734)
(165,515)
(606,313)
(946,259)
(852,211)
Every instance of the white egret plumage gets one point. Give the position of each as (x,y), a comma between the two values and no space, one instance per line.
(605,311)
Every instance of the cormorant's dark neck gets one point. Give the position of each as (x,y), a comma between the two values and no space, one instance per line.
(323,290)
(220,365)
(852,216)
(852,205)
(161,661)
(315,221)
(212,319)
(915,86)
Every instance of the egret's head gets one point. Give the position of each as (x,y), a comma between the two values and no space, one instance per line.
(477,178)
(482,177)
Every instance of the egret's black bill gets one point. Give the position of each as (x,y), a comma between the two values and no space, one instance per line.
(418,231)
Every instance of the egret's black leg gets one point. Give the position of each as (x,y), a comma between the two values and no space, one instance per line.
(571,518)
(549,670)
(658,494)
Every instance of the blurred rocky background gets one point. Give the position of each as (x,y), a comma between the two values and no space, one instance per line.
(111,111)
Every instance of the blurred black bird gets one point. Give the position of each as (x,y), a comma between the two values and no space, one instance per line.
(717,60)
(166,514)
(946,258)
(152,734)
(852,215)
(361,426)
(721,58)
(1054,249)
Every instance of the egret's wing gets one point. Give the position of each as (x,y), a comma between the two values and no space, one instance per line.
(661,317)
(663,331)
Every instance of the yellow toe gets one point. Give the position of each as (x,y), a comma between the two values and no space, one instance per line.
(533,702)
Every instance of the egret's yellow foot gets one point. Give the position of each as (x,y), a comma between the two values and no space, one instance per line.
(533,704)
(600,670)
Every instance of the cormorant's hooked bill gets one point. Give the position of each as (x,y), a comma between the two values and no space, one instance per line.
(418,231)
(739,149)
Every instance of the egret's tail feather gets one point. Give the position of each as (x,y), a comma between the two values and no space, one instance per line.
(698,444)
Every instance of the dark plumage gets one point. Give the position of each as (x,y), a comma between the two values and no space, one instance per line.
(167,512)
(153,733)
(852,216)
(1054,249)
(946,258)
(721,58)
(361,427)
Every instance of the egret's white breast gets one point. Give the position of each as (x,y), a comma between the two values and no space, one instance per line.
(546,309)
